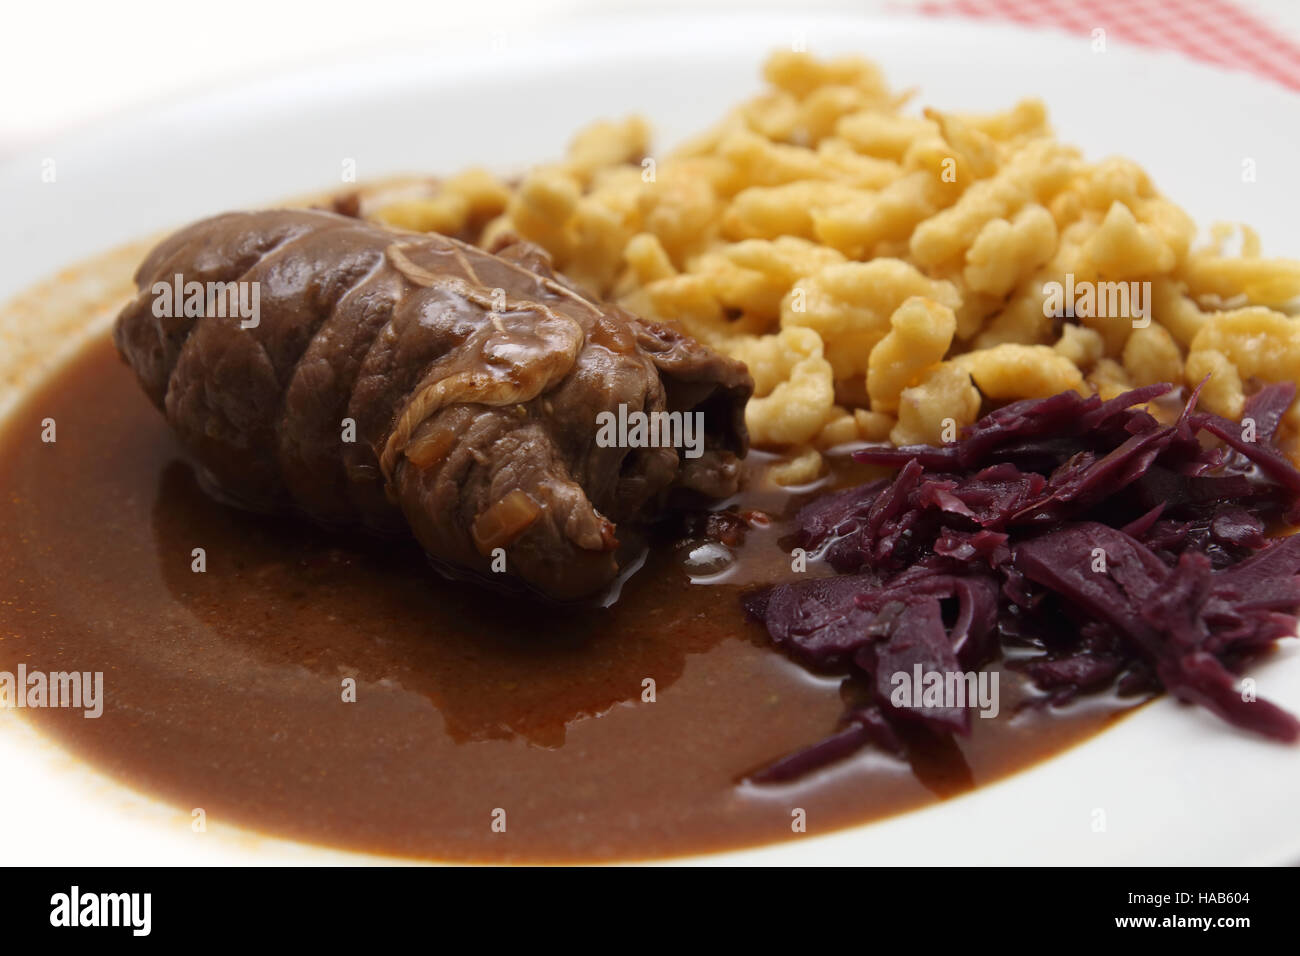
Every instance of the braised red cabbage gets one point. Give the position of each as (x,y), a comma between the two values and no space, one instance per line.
(995,540)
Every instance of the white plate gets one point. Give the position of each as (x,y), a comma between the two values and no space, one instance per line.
(1174,785)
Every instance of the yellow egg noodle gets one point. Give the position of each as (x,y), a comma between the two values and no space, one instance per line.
(885,274)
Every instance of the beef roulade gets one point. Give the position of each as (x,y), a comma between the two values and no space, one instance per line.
(394,380)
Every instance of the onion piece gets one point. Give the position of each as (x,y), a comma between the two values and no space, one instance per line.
(429,446)
(505,521)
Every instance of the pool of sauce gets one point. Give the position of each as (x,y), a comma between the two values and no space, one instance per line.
(225,689)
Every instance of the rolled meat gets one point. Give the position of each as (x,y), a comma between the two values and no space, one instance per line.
(393,380)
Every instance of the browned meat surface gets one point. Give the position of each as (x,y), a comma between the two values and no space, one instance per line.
(474,381)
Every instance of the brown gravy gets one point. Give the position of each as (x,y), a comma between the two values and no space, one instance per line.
(223,689)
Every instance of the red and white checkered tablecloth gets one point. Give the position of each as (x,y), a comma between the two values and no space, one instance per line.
(1217,31)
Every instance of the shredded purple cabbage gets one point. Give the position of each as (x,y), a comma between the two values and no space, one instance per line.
(993,541)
